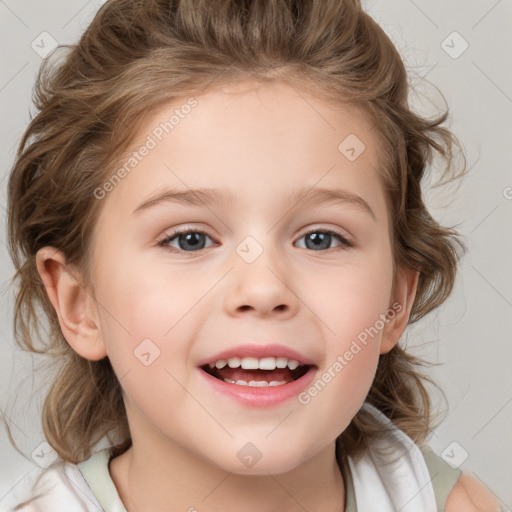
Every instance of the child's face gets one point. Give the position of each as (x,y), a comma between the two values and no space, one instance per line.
(258,280)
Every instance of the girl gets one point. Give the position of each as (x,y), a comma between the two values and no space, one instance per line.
(219,209)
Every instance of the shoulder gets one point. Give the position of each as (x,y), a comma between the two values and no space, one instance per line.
(470,495)
(59,489)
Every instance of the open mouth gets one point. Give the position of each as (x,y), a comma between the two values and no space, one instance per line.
(254,372)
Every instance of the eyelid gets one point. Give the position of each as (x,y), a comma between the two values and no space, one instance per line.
(323,227)
(319,227)
(181,231)
(344,237)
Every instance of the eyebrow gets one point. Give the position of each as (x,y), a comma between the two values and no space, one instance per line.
(312,196)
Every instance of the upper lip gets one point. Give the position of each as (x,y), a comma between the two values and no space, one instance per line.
(258,351)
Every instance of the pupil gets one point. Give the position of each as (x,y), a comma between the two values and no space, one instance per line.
(313,240)
(318,239)
(191,240)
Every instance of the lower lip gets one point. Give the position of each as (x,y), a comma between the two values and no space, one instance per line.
(260,396)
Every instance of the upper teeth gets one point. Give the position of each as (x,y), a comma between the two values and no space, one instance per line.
(253,363)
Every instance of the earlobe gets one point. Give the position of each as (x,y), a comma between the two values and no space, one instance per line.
(75,308)
(399,309)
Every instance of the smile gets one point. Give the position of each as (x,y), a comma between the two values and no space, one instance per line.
(256,387)
(257,372)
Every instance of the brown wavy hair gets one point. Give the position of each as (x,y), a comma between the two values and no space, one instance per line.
(136,56)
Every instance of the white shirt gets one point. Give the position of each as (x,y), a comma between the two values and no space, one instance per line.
(405,478)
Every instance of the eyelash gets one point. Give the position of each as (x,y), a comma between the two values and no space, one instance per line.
(345,244)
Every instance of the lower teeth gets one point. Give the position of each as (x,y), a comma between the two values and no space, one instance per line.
(256,383)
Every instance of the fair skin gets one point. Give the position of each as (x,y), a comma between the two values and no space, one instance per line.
(258,142)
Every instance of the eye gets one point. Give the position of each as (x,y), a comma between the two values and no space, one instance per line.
(192,240)
(321,239)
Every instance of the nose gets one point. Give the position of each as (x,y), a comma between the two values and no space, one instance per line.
(262,288)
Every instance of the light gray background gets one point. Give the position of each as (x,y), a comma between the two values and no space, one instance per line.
(470,334)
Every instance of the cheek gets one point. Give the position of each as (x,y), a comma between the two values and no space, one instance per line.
(145,335)
(146,300)
(144,321)
(354,313)
(358,295)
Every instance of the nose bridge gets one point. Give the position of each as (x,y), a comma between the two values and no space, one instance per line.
(260,274)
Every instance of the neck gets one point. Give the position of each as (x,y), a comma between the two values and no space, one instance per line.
(149,478)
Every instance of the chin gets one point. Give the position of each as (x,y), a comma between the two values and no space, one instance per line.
(251,462)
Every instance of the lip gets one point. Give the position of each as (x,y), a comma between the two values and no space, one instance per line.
(259,351)
(260,396)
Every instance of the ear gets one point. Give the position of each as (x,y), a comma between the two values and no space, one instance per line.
(399,310)
(75,307)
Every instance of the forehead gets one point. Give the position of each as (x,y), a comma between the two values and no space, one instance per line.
(271,111)
(245,135)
